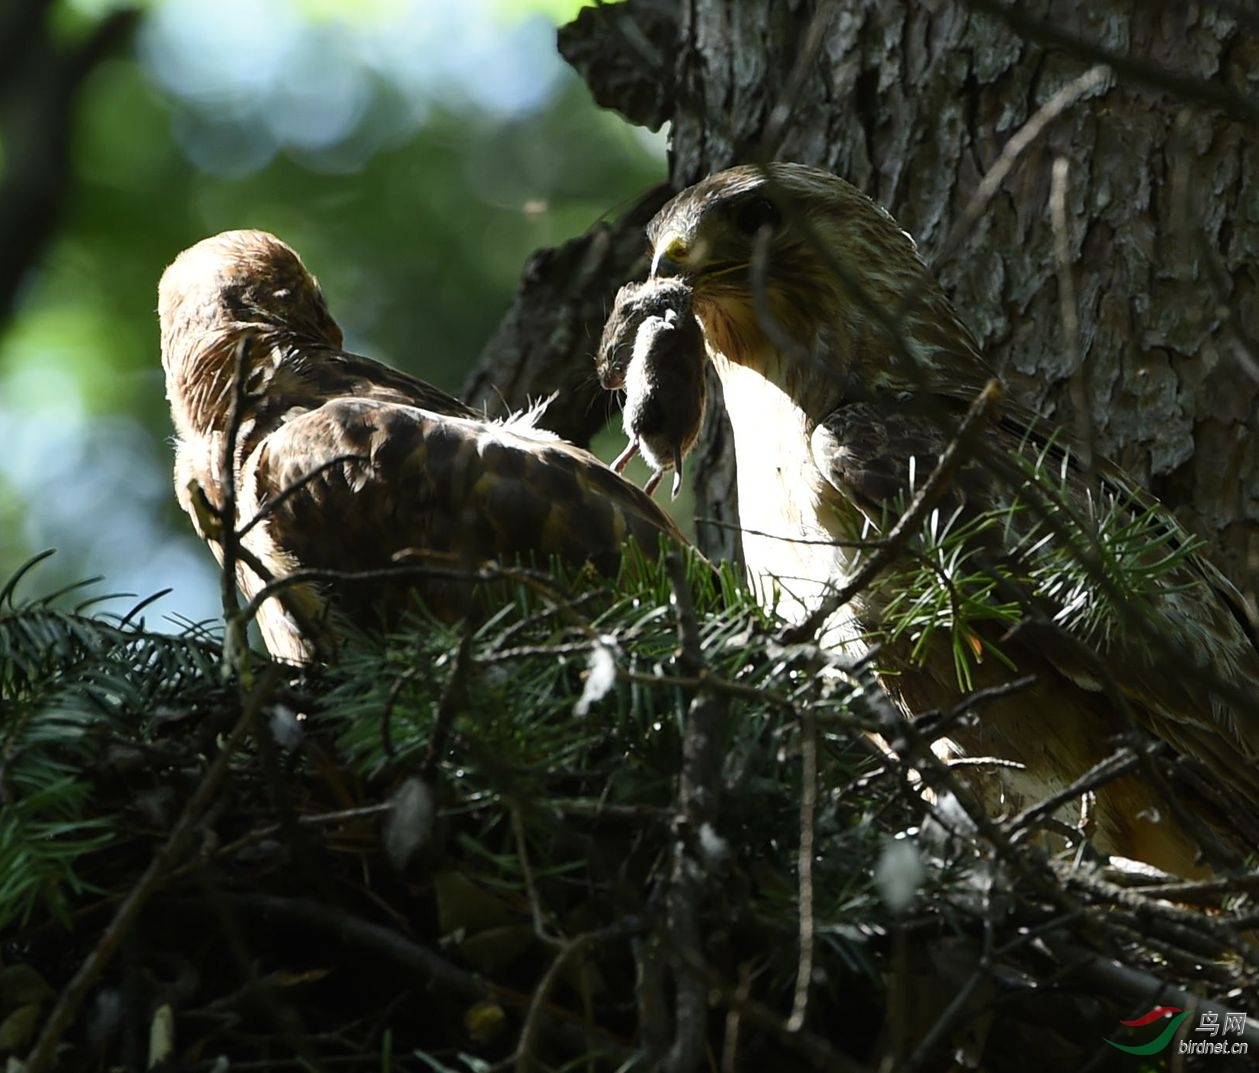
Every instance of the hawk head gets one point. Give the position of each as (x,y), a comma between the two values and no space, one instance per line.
(234,284)
(797,273)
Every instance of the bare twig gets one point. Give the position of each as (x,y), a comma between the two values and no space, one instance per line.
(235,647)
(981,410)
(808,819)
(730,1042)
(540,926)
(1069,313)
(1205,889)
(453,696)
(1018,144)
(1216,95)
(433,970)
(271,505)
(569,949)
(1222,931)
(1111,977)
(950,1015)
(816,1049)
(1101,773)
(697,808)
(779,122)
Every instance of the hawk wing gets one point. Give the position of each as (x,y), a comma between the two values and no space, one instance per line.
(353,483)
(342,464)
(868,451)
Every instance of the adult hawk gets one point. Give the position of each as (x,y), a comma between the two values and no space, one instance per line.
(342,463)
(844,368)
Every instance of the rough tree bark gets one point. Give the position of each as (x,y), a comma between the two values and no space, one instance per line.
(914,100)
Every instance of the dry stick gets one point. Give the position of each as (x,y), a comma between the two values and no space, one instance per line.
(823,542)
(43,1054)
(447,707)
(708,680)
(569,949)
(730,1042)
(243,554)
(1221,931)
(540,928)
(536,619)
(570,648)
(698,790)
(271,505)
(784,111)
(395,572)
(393,948)
(1182,945)
(261,834)
(1069,312)
(233,624)
(1196,90)
(1039,877)
(386,713)
(954,1010)
(1101,773)
(915,748)
(982,409)
(816,1048)
(1107,975)
(1010,153)
(936,724)
(808,817)
(1204,888)
(235,620)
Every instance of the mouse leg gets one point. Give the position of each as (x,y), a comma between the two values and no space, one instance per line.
(677,472)
(653,481)
(622,460)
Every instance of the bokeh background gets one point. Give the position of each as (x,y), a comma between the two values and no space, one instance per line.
(413,151)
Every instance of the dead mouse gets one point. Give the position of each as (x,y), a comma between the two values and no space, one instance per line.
(653,347)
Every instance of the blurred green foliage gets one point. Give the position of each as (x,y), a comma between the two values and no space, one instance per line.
(437,172)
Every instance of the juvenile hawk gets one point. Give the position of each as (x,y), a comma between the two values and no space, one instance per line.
(344,462)
(844,367)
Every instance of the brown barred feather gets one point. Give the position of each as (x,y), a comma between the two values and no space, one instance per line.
(355,464)
(840,359)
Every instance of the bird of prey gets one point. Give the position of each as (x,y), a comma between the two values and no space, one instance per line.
(341,464)
(845,370)
(652,347)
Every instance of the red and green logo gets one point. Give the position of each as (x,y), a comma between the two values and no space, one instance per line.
(1163,1039)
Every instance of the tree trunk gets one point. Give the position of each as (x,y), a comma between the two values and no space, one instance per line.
(41,82)
(914,102)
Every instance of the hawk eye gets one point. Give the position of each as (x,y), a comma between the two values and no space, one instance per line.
(758,213)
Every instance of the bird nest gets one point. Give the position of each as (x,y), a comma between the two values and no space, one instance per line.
(629,826)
